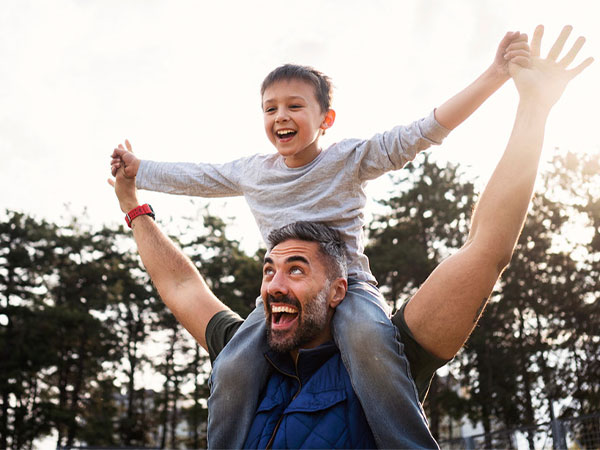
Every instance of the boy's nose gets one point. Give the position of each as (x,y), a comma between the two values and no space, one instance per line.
(282,115)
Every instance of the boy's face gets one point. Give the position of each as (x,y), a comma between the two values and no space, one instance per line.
(294,120)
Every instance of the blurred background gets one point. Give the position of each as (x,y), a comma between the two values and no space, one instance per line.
(90,357)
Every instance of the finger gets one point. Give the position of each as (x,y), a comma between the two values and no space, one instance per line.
(569,57)
(514,53)
(517,52)
(522,37)
(577,70)
(113,171)
(507,39)
(128,145)
(121,147)
(519,45)
(560,42)
(111,182)
(117,153)
(522,61)
(536,40)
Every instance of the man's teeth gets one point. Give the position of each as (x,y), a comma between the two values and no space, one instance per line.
(283,309)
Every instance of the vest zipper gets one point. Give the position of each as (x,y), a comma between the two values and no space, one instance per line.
(270,443)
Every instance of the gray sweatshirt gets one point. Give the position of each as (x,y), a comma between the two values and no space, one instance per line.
(329,189)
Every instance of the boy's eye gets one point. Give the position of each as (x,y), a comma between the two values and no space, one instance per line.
(295,106)
(269,109)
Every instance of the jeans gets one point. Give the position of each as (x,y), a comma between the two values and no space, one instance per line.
(371,352)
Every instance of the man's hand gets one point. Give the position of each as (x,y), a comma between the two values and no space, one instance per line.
(126,159)
(512,49)
(544,80)
(125,185)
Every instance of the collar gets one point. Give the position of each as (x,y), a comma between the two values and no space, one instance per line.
(309,360)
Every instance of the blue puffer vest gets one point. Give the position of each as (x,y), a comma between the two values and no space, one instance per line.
(311,406)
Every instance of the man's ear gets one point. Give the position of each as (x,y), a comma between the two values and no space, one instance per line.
(328,120)
(338,290)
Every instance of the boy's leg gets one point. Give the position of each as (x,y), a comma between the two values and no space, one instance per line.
(238,376)
(379,370)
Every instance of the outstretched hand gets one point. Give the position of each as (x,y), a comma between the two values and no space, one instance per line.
(544,80)
(125,158)
(124,182)
(512,49)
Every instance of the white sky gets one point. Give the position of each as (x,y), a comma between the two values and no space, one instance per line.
(180,79)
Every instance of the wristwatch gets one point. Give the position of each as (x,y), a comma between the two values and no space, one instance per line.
(139,211)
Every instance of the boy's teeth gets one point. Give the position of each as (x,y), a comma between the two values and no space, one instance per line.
(284,132)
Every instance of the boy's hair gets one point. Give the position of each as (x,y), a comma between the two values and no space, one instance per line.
(320,81)
(331,245)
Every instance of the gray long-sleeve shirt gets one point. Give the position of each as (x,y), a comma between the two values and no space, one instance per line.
(329,189)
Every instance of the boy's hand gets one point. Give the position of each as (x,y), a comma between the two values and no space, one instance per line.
(126,159)
(124,183)
(544,80)
(512,49)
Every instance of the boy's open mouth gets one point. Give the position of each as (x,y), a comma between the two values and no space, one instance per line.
(283,316)
(285,135)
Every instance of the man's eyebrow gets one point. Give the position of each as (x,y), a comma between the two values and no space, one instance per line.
(297,258)
(291,259)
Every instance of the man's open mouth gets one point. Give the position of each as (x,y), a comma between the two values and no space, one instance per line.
(283,316)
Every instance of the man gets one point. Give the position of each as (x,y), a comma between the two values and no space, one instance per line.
(440,316)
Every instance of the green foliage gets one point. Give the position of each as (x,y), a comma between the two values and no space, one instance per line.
(82,329)
(427,218)
(84,316)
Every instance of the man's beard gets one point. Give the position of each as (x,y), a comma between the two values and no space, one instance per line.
(312,319)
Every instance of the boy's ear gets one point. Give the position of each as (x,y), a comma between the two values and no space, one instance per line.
(328,120)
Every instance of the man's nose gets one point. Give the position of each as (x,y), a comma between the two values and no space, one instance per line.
(278,285)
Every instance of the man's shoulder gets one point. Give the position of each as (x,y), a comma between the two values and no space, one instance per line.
(220,329)
(422,363)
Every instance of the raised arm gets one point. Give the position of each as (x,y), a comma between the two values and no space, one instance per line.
(512,49)
(445,309)
(176,278)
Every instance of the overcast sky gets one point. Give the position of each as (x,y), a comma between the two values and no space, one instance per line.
(180,80)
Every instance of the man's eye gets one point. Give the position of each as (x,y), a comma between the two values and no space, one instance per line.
(268,271)
(296,270)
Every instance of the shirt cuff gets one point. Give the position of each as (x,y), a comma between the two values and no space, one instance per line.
(433,130)
(142,174)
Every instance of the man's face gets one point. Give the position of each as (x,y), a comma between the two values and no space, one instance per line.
(297,296)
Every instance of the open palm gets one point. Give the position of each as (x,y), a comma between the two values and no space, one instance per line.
(544,79)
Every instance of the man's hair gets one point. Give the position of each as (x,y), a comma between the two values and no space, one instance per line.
(331,245)
(320,82)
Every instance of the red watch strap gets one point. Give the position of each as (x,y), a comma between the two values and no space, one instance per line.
(144,209)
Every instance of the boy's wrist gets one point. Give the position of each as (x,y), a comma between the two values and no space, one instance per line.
(496,75)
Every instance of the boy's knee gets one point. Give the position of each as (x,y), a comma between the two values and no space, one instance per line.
(366,338)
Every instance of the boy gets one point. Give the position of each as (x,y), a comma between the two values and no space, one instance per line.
(302,182)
